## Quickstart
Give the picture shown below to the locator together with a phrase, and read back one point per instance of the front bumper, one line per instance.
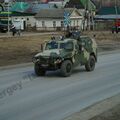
(48, 64)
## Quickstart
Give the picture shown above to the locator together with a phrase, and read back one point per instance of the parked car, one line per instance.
(116, 27)
(3, 27)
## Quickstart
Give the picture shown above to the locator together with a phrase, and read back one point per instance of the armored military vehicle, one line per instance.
(64, 55)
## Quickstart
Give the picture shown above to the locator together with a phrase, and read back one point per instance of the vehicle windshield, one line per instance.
(57, 45)
(51, 45)
(66, 46)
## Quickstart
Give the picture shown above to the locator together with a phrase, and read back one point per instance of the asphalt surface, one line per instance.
(23, 96)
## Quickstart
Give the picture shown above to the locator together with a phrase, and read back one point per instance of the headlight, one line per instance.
(58, 61)
(34, 59)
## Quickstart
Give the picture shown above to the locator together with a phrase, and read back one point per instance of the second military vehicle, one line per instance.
(66, 54)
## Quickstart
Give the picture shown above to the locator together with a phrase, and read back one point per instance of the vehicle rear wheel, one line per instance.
(116, 31)
(112, 31)
(66, 68)
(38, 70)
(90, 65)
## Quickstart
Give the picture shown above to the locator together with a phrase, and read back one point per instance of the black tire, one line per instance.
(66, 68)
(90, 65)
(113, 31)
(38, 70)
(116, 31)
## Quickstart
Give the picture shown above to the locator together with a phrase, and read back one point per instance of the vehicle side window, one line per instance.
(62, 45)
(88, 40)
(51, 45)
(83, 43)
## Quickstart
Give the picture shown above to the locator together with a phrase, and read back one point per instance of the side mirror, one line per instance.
(81, 48)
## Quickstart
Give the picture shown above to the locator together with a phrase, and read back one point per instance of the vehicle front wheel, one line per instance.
(90, 65)
(38, 70)
(66, 68)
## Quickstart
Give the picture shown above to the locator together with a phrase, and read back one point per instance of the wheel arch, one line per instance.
(70, 59)
(93, 54)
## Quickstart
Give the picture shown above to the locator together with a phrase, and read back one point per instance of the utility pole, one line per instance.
(85, 16)
(8, 20)
(89, 14)
(101, 3)
(8, 15)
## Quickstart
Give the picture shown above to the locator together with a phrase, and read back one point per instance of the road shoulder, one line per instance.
(94, 112)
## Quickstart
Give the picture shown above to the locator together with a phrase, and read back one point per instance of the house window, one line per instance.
(62, 24)
(43, 23)
(77, 23)
(54, 23)
(74, 23)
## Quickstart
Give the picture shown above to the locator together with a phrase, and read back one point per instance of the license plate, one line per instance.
(43, 65)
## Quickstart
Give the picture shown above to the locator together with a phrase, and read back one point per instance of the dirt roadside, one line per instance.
(112, 114)
(16, 50)
(108, 109)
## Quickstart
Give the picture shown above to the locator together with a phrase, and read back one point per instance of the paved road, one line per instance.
(23, 96)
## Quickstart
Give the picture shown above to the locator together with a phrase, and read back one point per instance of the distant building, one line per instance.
(58, 3)
(53, 19)
(103, 3)
(106, 17)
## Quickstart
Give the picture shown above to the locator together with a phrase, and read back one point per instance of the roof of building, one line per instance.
(29, 7)
(108, 13)
(5, 14)
(106, 3)
(35, 8)
(53, 13)
(74, 4)
(109, 10)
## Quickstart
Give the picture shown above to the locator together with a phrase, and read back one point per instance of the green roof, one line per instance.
(109, 11)
(5, 14)
(20, 7)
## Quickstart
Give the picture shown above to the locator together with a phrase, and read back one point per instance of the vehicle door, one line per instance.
(83, 54)
(77, 55)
